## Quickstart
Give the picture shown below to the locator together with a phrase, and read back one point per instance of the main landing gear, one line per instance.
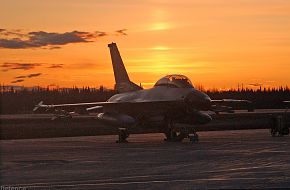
(177, 135)
(172, 134)
(123, 135)
(193, 137)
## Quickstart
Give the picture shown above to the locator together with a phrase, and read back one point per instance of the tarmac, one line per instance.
(240, 159)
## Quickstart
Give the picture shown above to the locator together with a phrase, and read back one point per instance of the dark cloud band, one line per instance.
(18, 40)
(27, 66)
(55, 66)
(22, 77)
(121, 32)
(19, 66)
(33, 75)
(17, 81)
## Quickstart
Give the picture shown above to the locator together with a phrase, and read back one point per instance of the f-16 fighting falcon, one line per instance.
(172, 100)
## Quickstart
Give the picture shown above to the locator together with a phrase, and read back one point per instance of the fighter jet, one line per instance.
(172, 100)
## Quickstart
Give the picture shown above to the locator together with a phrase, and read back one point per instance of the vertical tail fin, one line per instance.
(123, 83)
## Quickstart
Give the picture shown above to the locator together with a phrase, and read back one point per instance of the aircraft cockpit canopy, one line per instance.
(174, 81)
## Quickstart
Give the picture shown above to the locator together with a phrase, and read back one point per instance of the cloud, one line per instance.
(52, 85)
(9, 34)
(20, 66)
(100, 34)
(17, 81)
(14, 43)
(20, 77)
(17, 40)
(28, 76)
(55, 66)
(34, 75)
(121, 32)
(27, 66)
(256, 84)
(45, 38)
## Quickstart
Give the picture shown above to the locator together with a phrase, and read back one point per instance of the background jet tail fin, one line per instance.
(123, 83)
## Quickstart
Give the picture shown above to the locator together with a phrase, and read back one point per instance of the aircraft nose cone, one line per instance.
(198, 100)
(207, 103)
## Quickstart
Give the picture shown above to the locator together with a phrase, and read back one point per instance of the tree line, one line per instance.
(16, 101)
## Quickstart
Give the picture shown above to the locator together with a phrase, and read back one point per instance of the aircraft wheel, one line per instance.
(285, 131)
(194, 138)
(280, 134)
(170, 135)
(173, 136)
(274, 132)
(123, 135)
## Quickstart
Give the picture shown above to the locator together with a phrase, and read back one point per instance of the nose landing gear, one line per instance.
(123, 135)
(178, 134)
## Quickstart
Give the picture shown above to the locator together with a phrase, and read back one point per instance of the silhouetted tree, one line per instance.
(22, 100)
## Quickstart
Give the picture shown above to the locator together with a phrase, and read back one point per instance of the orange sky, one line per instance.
(217, 43)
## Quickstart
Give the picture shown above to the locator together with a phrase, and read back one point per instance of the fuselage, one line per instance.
(176, 98)
(160, 93)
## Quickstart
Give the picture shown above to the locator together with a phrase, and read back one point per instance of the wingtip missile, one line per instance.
(37, 106)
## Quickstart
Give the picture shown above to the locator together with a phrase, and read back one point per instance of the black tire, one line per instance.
(194, 139)
(285, 131)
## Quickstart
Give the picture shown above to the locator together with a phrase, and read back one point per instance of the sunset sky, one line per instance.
(216, 43)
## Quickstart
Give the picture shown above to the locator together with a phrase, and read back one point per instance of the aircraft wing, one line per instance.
(51, 106)
(93, 106)
(230, 101)
(97, 105)
(222, 105)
